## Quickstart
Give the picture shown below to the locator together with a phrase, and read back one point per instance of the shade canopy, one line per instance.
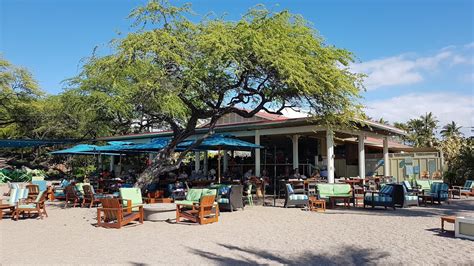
(24, 143)
(221, 142)
(81, 149)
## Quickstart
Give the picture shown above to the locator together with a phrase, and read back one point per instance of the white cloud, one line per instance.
(445, 106)
(408, 69)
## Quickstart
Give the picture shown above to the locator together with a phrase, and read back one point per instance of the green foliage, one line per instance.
(15, 176)
(459, 157)
(421, 131)
(451, 130)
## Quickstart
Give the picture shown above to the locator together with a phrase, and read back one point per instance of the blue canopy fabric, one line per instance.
(221, 142)
(24, 143)
(81, 149)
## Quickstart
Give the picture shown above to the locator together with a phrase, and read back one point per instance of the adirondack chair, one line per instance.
(28, 206)
(467, 189)
(90, 197)
(72, 196)
(16, 194)
(204, 212)
(114, 215)
(33, 191)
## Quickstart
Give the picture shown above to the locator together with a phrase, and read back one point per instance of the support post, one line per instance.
(205, 164)
(257, 153)
(225, 162)
(330, 154)
(197, 161)
(112, 162)
(386, 160)
(295, 151)
(362, 156)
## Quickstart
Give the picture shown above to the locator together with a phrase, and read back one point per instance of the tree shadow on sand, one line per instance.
(348, 255)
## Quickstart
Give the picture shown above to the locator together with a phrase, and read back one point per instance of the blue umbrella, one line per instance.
(81, 149)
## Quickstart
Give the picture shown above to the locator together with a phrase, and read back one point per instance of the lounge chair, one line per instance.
(247, 195)
(16, 194)
(390, 195)
(194, 195)
(131, 197)
(90, 197)
(72, 196)
(113, 215)
(293, 199)
(28, 206)
(203, 212)
(60, 191)
(439, 192)
(409, 188)
(230, 197)
(467, 189)
(33, 191)
(410, 197)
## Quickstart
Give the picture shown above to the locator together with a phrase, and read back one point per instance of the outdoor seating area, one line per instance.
(165, 132)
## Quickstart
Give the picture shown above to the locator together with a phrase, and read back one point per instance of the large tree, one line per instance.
(421, 131)
(19, 96)
(172, 72)
(451, 130)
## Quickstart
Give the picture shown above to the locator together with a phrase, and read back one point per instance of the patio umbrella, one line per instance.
(221, 142)
(81, 149)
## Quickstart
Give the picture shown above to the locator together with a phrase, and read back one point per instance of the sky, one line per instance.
(418, 55)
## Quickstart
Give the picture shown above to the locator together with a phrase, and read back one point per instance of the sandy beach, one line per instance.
(263, 235)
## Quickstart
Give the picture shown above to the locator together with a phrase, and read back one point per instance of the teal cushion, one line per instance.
(290, 189)
(223, 201)
(27, 206)
(41, 184)
(298, 197)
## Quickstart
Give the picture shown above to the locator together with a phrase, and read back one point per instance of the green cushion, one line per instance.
(79, 187)
(206, 192)
(134, 194)
(185, 202)
(342, 189)
(194, 194)
(425, 184)
(325, 189)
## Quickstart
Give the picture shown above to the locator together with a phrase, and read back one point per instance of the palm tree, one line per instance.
(451, 130)
(383, 121)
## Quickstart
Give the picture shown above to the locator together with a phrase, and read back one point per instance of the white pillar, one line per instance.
(205, 163)
(330, 154)
(257, 153)
(225, 162)
(197, 161)
(386, 160)
(361, 156)
(111, 166)
(295, 151)
(100, 162)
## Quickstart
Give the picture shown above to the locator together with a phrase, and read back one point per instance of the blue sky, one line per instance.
(419, 55)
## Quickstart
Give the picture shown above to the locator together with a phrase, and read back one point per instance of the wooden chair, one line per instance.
(204, 212)
(33, 191)
(28, 206)
(115, 215)
(89, 196)
(72, 196)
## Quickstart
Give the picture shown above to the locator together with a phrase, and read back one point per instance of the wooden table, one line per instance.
(424, 198)
(448, 219)
(317, 204)
(345, 199)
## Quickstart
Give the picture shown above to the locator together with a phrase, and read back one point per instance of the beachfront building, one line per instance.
(299, 143)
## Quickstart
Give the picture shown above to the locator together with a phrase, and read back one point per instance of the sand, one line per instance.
(263, 235)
